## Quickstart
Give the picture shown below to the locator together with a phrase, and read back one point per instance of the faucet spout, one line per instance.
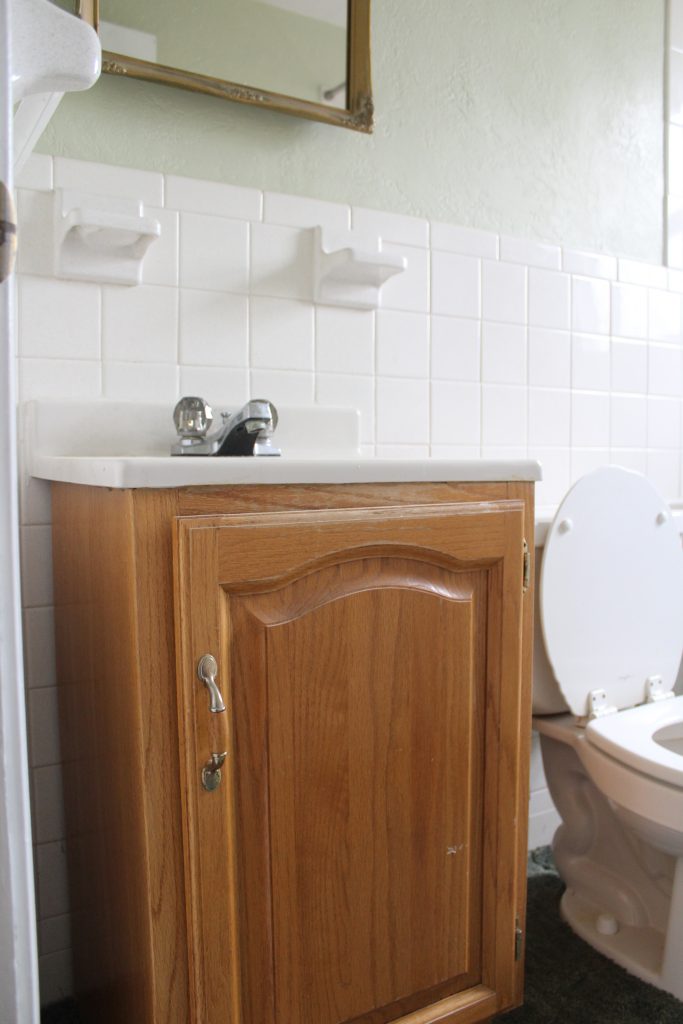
(248, 431)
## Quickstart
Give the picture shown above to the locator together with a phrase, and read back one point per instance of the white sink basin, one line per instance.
(116, 444)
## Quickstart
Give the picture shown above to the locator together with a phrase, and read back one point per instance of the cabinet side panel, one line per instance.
(102, 747)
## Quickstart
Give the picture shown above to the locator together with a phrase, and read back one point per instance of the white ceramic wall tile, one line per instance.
(629, 458)
(590, 305)
(161, 262)
(663, 422)
(629, 311)
(36, 173)
(664, 370)
(628, 415)
(283, 387)
(504, 292)
(402, 451)
(43, 727)
(549, 299)
(59, 319)
(455, 451)
(349, 391)
(665, 316)
(674, 92)
(281, 261)
(456, 413)
(504, 415)
(590, 362)
(301, 212)
(35, 500)
(465, 241)
(48, 804)
(585, 460)
(105, 180)
(455, 348)
(589, 264)
(39, 647)
(140, 324)
(214, 329)
(534, 254)
(549, 417)
(408, 290)
(221, 386)
(54, 934)
(556, 463)
(503, 354)
(663, 469)
(59, 379)
(55, 977)
(281, 334)
(402, 344)
(51, 878)
(344, 340)
(402, 411)
(391, 227)
(36, 566)
(214, 253)
(140, 382)
(549, 358)
(456, 285)
(35, 253)
(590, 419)
(629, 366)
(651, 275)
(214, 198)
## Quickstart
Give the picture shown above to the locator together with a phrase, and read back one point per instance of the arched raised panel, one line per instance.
(368, 816)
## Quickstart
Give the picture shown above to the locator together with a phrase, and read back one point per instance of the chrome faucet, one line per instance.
(246, 432)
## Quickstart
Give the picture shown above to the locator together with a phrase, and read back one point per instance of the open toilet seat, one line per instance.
(611, 601)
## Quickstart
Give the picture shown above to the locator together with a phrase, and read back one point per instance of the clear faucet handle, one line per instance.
(192, 416)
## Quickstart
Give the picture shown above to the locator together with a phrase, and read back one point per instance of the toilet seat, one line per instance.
(629, 737)
(611, 592)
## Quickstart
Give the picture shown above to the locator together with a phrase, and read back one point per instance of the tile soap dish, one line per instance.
(350, 268)
(99, 238)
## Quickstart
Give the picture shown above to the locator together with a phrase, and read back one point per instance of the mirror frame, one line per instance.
(358, 115)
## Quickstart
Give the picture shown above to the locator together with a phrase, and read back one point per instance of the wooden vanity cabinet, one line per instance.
(362, 858)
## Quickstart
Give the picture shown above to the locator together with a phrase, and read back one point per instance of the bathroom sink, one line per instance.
(121, 445)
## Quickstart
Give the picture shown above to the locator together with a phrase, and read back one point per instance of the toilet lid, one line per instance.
(611, 590)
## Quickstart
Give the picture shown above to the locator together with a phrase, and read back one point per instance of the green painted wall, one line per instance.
(539, 118)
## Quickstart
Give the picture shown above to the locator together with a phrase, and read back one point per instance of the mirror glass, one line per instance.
(307, 57)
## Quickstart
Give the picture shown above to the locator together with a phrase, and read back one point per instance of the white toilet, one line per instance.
(610, 600)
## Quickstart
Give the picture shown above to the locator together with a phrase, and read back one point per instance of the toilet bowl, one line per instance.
(610, 601)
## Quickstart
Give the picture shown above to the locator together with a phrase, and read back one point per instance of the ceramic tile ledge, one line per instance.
(122, 445)
(42, 172)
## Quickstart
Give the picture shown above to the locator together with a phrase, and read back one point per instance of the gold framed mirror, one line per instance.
(308, 58)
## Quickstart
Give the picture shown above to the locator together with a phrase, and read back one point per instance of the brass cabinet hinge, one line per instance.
(519, 938)
(526, 572)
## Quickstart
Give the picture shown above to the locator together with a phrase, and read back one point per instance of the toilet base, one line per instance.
(639, 950)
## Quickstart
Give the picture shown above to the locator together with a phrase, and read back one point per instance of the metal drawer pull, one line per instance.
(207, 670)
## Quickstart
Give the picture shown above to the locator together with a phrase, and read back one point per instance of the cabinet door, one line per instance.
(357, 861)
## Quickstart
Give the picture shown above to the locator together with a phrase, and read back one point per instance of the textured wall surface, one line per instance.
(540, 118)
